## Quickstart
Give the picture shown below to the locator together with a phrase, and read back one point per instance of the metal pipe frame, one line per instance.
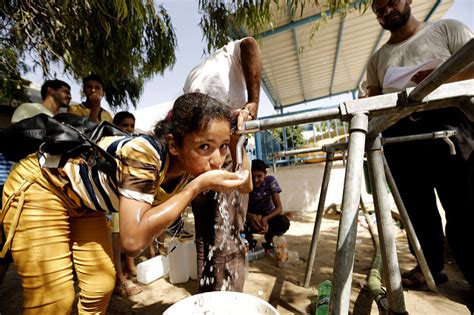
(409, 228)
(391, 274)
(344, 261)
(387, 235)
(343, 146)
(421, 136)
(319, 218)
(298, 151)
(301, 118)
(392, 106)
(448, 95)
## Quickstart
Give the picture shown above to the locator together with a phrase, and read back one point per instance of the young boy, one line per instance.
(264, 215)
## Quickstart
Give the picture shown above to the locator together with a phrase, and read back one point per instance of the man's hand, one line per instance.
(420, 75)
(249, 112)
(255, 222)
(252, 107)
(264, 225)
(94, 100)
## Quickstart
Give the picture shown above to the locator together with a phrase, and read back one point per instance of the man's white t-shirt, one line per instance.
(434, 43)
(220, 75)
(27, 110)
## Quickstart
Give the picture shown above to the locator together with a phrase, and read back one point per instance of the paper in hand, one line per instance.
(400, 77)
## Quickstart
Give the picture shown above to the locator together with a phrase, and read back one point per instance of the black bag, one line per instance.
(66, 134)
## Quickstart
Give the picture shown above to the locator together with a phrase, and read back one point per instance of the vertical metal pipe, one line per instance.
(238, 151)
(319, 217)
(409, 228)
(344, 261)
(388, 248)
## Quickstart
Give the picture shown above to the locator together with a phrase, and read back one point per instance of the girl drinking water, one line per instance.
(54, 218)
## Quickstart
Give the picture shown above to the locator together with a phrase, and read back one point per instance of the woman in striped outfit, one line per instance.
(54, 218)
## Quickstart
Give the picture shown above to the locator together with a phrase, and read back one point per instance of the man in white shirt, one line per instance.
(232, 75)
(421, 167)
(54, 93)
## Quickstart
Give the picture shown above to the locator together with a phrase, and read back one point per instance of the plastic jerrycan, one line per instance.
(178, 261)
(152, 269)
(192, 259)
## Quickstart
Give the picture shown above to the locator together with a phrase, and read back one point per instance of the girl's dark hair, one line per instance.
(190, 113)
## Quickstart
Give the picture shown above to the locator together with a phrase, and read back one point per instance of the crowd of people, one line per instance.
(54, 218)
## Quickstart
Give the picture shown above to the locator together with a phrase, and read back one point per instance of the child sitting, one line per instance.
(264, 215)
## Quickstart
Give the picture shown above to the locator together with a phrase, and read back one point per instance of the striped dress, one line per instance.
(141, 168)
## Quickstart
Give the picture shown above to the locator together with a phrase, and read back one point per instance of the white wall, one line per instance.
(301, 185)
(146, 118)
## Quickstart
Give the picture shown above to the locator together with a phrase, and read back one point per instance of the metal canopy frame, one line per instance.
(387, 109)
(298, 86)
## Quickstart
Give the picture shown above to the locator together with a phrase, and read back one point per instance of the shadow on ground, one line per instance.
(281, 287)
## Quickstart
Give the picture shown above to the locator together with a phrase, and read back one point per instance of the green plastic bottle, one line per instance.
(324, 292)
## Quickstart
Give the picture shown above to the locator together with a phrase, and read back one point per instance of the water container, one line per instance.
(152, 269)
(192, 259)
(281, 250)
(324, 292)
(178, 260)
(255, 254)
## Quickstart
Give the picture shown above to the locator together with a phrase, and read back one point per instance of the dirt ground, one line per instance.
(281, 287)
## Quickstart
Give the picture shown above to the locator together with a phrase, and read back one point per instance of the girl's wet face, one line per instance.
(206, 149)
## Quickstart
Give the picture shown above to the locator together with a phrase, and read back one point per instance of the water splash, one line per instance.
(233, 199)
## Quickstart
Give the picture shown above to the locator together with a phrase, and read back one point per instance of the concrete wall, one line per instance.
(301, 185)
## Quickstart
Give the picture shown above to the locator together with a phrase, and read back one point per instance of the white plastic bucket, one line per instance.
(219, 302)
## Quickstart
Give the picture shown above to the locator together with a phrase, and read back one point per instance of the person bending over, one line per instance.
(55, 217)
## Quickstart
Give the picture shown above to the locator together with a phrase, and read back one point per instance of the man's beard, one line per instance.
(395, 24)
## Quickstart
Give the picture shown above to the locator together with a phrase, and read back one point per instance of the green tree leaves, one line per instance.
(125, 42)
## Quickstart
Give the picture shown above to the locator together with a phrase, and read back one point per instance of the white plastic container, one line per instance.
(178, 260)
(281, 250)
(192, 259)
(219, 302)
(152, 269)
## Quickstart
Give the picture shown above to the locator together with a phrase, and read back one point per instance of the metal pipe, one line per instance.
(409, 227)
(422, 136)
(238, 152)
(374, 282)
(392, 277)
(425, 136)
(319, 218)
(456, 63)
(344, 260)
(298, 151)
(302, 118)
(452, 148)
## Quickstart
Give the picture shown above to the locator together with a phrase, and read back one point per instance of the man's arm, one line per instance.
(94, 105)
(374, 90)
(278, 207)
(252, 68)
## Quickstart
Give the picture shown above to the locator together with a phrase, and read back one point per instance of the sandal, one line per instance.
(128, 288)
(414, 279)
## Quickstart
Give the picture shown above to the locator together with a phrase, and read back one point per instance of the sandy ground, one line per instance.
(281, 287)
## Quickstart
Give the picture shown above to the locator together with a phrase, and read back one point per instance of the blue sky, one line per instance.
(185, 20)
